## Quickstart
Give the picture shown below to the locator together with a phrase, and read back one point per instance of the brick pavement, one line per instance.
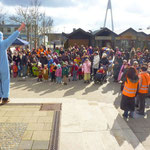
(24, 127)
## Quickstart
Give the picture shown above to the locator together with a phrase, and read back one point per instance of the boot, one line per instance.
(5, 100)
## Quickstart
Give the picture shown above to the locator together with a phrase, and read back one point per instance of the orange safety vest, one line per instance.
(130, 88)
(145, 83)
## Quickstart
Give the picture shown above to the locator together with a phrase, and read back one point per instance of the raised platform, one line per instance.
(29, 126)
(86, 125)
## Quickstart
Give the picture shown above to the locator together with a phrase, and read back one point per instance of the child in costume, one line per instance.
(86, 68)
(52, 71)
(15, 69)
(19, 69)
(74, 71)
(34, 69)
(65, 73)
(45, 73)
(40, 72)
(58, 74)
(100, 75)
(101, 70)
(80, 73)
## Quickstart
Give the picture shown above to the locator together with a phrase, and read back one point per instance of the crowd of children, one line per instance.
(77, 62)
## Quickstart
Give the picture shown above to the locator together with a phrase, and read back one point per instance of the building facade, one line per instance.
(78, 37)
(8, 29)
(107, 38)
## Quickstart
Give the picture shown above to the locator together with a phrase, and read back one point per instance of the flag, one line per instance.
(109, 4)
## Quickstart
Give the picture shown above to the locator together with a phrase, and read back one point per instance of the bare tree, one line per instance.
(23, 15)
(32, 16)
(45, 25)
(2, 15)
(36, 18)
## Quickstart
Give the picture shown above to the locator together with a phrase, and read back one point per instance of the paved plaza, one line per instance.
(90, 118)
(24, 127)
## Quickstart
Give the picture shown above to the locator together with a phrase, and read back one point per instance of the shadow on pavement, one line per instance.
(111, 86)
(92, 88)
(140, 125)
(124, 136)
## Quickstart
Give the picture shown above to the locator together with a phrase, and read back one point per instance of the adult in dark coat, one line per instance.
(43, 60)
(128, 102)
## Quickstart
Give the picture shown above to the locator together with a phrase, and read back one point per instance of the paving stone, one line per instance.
(30, 119)
(47, 127)
(45, 119)
(2, 113)
(40, 113)
(25, 145)
(25, 113)
(50, 113)
(71, 141)
(41, 135)
(35, 126)
(12, 114)
(40, 145)
(15, 119)
(3, 119)
(27, 135)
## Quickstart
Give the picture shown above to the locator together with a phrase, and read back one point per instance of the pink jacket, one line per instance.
(58, 72)
(86, 67)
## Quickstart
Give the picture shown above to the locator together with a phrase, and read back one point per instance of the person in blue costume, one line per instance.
(4, 64)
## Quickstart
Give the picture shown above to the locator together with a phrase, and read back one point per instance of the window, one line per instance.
(1, 29)
(8, 29)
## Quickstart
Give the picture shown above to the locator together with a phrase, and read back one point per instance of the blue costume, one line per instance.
(4, 64)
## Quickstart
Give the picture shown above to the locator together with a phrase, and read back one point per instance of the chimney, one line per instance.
(3, 22)
(74, 29)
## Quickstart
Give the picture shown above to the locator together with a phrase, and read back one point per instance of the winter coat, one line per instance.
(96, 61)
(86, 67)
(58, 72)
(24, 60)
(74, 68)
(65, 71)
(43, 61)
(104, 61)
(50, 62)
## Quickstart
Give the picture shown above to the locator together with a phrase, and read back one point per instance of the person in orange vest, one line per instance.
(129, 93)
(144, 81)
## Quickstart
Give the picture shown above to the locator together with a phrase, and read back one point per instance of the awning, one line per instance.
(19, 41)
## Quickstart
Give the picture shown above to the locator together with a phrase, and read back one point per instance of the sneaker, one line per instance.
(125, 116)
(131, 115)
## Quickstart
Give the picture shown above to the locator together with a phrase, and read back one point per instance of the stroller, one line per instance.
(101, 77)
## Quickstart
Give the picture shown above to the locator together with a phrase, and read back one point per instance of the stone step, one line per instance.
(120, 130)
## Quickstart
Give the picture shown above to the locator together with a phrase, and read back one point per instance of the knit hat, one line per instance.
(59, 66)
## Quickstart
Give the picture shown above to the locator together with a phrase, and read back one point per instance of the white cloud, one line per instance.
(89, 14)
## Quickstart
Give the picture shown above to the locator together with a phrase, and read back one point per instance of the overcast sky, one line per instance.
(89, 14)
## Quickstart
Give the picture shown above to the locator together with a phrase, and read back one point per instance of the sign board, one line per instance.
(127, 37)
(103, 38)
